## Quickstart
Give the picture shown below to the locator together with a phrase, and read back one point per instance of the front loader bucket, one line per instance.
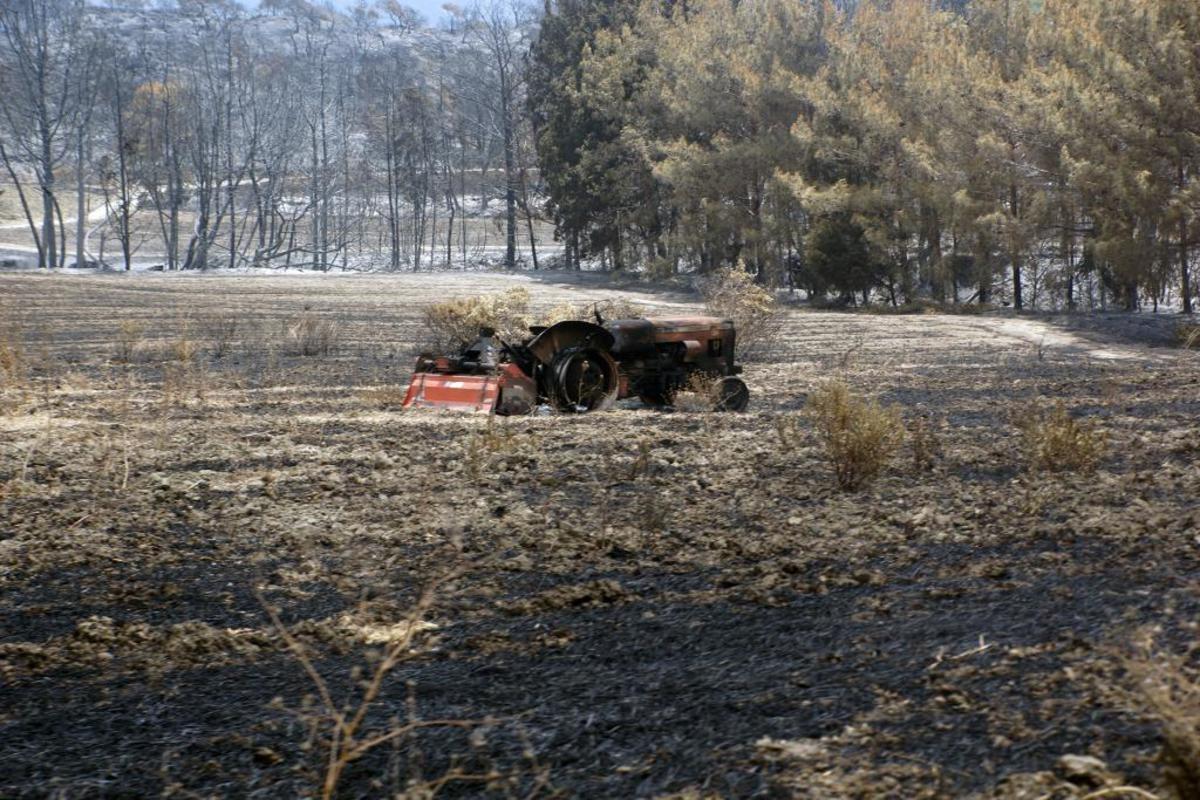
(456, 392)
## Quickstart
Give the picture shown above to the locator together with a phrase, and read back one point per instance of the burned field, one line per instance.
(628, 603)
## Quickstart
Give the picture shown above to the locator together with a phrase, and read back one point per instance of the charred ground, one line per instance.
(657, 603)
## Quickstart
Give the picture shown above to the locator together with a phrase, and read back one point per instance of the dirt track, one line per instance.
(659, 602)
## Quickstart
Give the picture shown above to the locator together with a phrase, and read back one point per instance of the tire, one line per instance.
(732, 394)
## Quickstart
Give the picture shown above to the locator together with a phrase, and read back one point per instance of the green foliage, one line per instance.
(839, 257)
(905, 151)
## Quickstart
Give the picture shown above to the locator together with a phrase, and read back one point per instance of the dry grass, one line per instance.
(15, 388)
(12, 359)
(613, 308)
(734, 294)
(221, 330)
(129, 337)
(701, 393)
(451, 324)
(1187, 335)
(345, 730)
(385, 397)
(495, 439)
(924, 443)
(860, 436)
(1053, 441)
(310, 335)
(1166, 687)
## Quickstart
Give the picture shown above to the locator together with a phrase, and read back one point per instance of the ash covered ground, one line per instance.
(653, 603)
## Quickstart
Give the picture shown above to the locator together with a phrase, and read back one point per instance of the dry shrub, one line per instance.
(924, 443)
(13, 372)
(129, 337)
(221, 330)
(310, 335)
(184, 381)
(1187, 335)
(860, 436)
(492, 440)
(701, 393)
(1166, 686)
(183, 349)
(346, 728)
(1055, 442)
(390, 396)
(614, 308)
(790, 430)
(734, 294)
(12, 359)
(455, 322)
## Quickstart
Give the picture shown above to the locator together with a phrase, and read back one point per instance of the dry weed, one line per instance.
(453, 323)
(790, 430)
(129, 337)
(1166, 686)
(615, 308)
(221, 330)
(384, 397)
(184, 378)
(345, 729)
(495, 438)
(14, 371)
(310, 335)
(700, 393)
(924, 442)
(641, 463)
(1053, 441)
(860, 436)
(12, 359)
(734, 294)
(1187, 335)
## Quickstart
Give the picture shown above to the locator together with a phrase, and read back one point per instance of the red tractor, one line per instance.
(584, 366)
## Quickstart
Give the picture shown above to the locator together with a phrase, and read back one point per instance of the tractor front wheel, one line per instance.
(731, 394)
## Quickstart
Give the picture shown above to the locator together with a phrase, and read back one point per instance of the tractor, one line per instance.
(580, 366)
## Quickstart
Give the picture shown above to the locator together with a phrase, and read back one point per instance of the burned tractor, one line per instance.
(583, 366)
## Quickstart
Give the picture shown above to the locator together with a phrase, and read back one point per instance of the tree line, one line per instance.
(1032, 152)
(293, 135)
(1035, 152)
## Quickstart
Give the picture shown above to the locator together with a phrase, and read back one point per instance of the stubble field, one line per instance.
(630, 603)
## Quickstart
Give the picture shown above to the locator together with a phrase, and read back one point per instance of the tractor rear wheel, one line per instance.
(583, 379)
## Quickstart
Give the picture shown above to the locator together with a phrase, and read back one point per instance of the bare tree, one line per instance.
(42, 95)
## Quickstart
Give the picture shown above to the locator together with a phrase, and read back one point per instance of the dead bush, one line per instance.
(1166, 687)
(129, 337)
(221, 330)
(924, 442)
(790, 430)
(860, 436)
(384, 397)
(734, 294)
(614, 308)
(346, 728)
(1187, 335)
(14, 372)
(310, 335)
(701, 393)
(12, 359)
(1053, 441)
(454, 322)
